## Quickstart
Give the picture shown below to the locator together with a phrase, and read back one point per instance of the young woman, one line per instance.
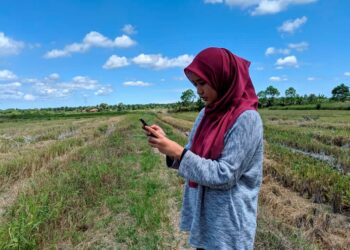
(222, 161)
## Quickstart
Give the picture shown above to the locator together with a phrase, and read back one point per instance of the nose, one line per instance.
(199, 90)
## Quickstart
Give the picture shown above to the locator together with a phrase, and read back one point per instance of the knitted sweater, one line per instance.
(221, 212)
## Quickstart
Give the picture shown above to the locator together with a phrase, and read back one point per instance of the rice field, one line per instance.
(94, 183)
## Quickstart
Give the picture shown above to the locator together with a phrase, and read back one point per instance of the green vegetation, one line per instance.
(95, 183)
(114, 181)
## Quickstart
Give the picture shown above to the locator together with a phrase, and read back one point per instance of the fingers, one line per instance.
(155, 127)
(153, 142)
(153, 131)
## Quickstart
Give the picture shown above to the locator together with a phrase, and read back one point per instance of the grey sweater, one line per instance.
(221, 212)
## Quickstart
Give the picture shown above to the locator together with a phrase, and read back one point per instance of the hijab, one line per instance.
(228, 75)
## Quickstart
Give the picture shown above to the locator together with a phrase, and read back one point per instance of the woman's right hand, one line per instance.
(156, 128)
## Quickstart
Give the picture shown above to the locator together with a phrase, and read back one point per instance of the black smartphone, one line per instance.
(145, 124)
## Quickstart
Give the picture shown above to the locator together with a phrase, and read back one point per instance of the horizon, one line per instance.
(68, 53)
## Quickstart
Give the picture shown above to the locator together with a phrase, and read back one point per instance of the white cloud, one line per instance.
(278, 78)
(299, 46)
(10, 94)
(96, 39)
(53, 77)
(11, 91)
(290, 26)
(29, 97)
(92, 39)
(51, 87)
(8, 46)
(292, 46)
(116, 62)
(311, 78)
(213, 1)
(137, 83)
(105, 90)
(83, 82)
(157, 61)
(287, 61)
(260, 68)
(124, 42)
(273, 50)
(13, 85)
(129, 29)
(261, 7)
(6, 75)
(347, 74)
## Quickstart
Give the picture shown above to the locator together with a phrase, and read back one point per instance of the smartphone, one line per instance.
(145, 124)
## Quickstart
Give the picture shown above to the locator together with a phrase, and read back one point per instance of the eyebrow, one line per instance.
(200, 81)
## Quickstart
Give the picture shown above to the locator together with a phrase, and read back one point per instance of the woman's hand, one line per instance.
(156, 128)
(162, 143)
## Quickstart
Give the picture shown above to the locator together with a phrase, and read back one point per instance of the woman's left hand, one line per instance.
(163, 144)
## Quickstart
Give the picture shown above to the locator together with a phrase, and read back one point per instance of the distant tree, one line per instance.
(291, 92)
(291, 95)
(120, 106)
(312, 98)
(271, 93)
(103, 106)
(261, 94)
(340, 92)
(200, 104)
(187, 97)
(262, 98)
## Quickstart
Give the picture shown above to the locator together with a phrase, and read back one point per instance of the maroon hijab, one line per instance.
(228, 74)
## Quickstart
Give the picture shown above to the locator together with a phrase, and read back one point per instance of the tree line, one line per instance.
(271, 97)
(189, 101)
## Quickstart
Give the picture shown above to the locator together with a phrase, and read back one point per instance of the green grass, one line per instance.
(120, 173)
(110, 190)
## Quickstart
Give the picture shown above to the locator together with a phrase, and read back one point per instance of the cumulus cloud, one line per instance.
(129, 29)
(105, 90)
(261, 7)
(116, 62)
(311, 78)
(11, 91)
(299, 46)
(213, 1)
(137, 83)
(53, 77)
(278, 78)
(51, 87)
(273, 51)
(157, 61)
(347, 74)
(286, 51)
(92, 39)
(8, 46)
(287, 61)
(290, 26)
(29, 97)
(6, 75)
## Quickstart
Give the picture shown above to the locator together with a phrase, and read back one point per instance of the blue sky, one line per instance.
(73, 53)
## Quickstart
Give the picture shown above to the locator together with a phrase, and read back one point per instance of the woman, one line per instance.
(222, 161)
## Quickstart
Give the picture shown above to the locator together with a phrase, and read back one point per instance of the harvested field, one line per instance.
(95, 183)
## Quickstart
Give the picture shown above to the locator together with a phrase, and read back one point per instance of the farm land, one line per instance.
(93, 182)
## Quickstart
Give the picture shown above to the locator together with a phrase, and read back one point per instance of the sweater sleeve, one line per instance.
(172, 163)
(241, 143)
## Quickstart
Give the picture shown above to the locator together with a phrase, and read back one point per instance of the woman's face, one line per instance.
(204, 90)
